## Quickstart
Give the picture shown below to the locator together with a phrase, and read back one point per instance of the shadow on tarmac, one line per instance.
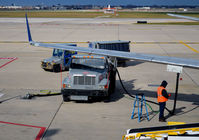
(129, 85)
(133, 63)
(144, 116)
(192, 98)
(50, 132)
(129, 63)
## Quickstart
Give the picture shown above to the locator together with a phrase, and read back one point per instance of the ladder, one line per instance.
(137, 99)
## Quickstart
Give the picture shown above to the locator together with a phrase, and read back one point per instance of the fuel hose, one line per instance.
(149, 101)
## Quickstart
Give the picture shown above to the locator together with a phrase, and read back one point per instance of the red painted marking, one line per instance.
(39, 135)
(12, 59)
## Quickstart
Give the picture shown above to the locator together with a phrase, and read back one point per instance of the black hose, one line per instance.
(30, 96)
(134, 96)
(9, 98)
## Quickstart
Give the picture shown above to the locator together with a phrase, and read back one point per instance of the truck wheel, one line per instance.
(66, 69)
(112, 82)
(108, 97)
(56, 68)
(65, 98)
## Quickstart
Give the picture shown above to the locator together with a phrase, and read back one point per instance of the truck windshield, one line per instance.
(57, 52)
(88, 63)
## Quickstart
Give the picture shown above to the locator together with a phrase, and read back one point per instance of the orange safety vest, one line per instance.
(161, 98)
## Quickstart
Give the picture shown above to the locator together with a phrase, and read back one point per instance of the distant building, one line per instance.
(143, 8)
(11, 7)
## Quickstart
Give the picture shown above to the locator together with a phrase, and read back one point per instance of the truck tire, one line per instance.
(56, 68)
(65, 98)
(66, 69)
(112, 82)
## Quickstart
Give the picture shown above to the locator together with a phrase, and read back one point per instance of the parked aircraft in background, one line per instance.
(109, 10)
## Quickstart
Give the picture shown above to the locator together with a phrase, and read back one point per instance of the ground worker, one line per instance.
(162, 98)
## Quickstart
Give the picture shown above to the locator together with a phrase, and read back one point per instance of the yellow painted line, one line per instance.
(175, 123)
(189, 47)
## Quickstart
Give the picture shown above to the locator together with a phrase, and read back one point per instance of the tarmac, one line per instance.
(50, 118)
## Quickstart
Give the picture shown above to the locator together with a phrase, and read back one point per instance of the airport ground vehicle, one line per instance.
(59, 60)
(117, 45)
(89, 76)
(61, 57)
(174, 131)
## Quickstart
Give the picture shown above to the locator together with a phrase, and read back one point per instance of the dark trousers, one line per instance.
(162, 106)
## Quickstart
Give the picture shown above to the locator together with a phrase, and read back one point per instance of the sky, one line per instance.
(100, 2)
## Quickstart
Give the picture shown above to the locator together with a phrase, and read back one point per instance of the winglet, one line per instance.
(28, 30)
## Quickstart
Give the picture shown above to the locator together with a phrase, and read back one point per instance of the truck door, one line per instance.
(67, 57)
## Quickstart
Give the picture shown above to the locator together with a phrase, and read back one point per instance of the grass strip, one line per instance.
(85, 14)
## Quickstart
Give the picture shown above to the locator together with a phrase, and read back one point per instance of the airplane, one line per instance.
(109, 9)
(192, 63)
(185, 17)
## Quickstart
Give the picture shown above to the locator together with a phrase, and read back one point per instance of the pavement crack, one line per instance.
(52, 120)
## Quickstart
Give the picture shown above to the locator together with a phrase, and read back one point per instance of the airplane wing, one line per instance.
(186, 17)
(128, 55)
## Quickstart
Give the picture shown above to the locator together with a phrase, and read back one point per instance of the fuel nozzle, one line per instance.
(28, 96)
